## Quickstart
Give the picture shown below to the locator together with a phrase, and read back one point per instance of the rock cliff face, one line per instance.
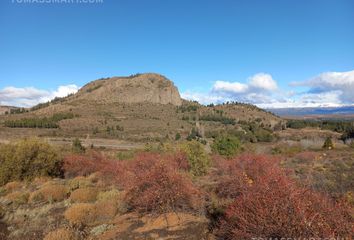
(150, 87)
(4, 109)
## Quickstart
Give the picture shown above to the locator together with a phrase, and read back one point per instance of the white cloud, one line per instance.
(326, 99)
(30, 96)
(203, 97)
(329, 89)
(341, 82)
(228, 87)
(256, 90)
(257, 83)
(263, 81)
(64, 91)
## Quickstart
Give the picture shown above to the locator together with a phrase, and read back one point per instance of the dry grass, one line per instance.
(109, 204)
(106, 210)
(49, 193)
(41, 180)
(79, 182)
(11, 186)
(18, 197)
(113, 194)
(84, 195)
(60, 234)
(81, 214)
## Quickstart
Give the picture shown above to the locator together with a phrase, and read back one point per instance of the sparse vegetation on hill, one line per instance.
(46, 104)
(218, 118)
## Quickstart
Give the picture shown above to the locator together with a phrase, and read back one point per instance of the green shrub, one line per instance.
(328, 144)
(198, 159)
(125, 155)
(27, 159)
(193, 135)
(226, 145)
(263, 135)
(77, 146)
(178, 136)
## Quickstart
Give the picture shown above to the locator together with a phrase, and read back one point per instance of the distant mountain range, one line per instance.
(316, 112)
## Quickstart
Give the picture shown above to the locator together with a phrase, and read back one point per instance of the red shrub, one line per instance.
(235, 175)
(84, 165)
(180, 161)
(273, 206)
(156, 185)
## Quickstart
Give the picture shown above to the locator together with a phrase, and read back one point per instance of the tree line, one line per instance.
(46, 122)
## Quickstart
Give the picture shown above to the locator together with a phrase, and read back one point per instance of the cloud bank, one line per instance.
(328, 89)
(30, 96)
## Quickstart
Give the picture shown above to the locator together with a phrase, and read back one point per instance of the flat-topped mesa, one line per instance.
(149, 87)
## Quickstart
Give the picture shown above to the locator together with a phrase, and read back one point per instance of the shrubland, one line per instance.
(27, 159)
(243, 195)
(266, 202)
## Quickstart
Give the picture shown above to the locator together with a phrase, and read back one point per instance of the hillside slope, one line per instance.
(141, 107)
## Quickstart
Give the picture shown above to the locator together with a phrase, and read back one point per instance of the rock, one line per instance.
(150, 87)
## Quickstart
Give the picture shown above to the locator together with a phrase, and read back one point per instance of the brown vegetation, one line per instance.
(60, 234)
(49, 193)
(84, 195)
(81, 214)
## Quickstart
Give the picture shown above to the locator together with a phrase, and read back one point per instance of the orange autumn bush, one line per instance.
(83, 195)
(49, 193)
(81, 214)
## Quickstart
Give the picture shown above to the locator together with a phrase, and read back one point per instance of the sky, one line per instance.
(274, 53)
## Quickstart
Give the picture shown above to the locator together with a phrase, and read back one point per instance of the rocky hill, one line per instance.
(139, 88)
(141, 107)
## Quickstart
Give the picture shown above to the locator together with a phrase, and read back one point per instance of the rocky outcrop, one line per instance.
(150, 87)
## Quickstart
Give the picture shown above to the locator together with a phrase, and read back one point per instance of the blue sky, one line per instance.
(271, 53)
